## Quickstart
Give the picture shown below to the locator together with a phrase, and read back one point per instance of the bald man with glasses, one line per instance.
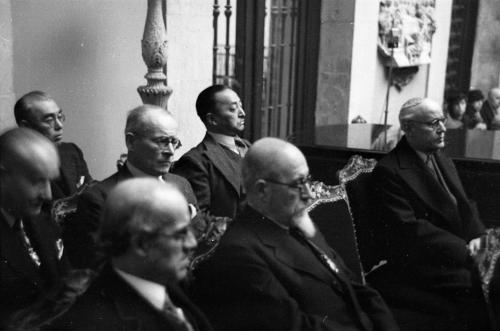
(273, 270)
(38, 111)
(426, 229)
(151, 139)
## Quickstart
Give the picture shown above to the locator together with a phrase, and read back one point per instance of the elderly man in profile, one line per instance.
(273, 270)
(31, 252)
(151, 139)
(38, 111)
(490, 110)
(146, 237)
(427, 228)
(214, 166)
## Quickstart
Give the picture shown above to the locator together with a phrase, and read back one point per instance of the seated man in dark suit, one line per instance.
(214, 166)
(31, 259)
(146, 237)
(37, 110)
(273, 269)
(151, 138)
(427, 229)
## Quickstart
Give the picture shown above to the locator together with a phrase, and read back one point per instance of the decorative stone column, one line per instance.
(154, 54)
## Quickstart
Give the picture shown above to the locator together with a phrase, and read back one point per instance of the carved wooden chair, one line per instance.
(331, 214)
(355, 177)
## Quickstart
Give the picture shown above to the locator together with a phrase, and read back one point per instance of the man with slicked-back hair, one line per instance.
(38, 111)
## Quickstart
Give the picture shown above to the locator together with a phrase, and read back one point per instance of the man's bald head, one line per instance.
(267, 158)
(145, 229)
(494, 97)
(275, 175)
(29, 162)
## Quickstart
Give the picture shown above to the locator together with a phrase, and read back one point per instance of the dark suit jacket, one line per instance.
(80, 230)
(111, 304)
(488, 114)
(214, 176)
(262, 278)
(73, 167)
(422, 233)
(21, 281)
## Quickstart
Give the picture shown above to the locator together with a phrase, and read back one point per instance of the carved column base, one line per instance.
(155, 95)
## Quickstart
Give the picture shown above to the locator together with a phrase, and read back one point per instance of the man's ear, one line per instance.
(262, 189)
(140, 245)
(211, 120)
(25, 124)
(129, 140)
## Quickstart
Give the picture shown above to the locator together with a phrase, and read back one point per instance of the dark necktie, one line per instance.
(20, 230)
(175, 315)
(320, 254)
(436, 172)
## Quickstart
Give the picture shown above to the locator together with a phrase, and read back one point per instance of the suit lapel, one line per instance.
(45, 245)
(14, 254)
(421, 180)
(288, 250)
(223, 163)
(68, 170)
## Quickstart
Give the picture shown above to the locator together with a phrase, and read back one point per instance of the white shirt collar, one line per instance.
(224, 140)
(154, 293)
(136, 172)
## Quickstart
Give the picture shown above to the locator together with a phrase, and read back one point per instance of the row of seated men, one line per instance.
(272, 270)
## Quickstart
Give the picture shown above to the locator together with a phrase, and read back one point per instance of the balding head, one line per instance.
(274, 172)
(29, 162)
(144, 228)
(422, 120)
(151, 137)
(494, 97)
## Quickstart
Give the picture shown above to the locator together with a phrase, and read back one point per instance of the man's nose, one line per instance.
(241, 112)
(169, 149)
(441, 127)
(45, 191)
(58, 124)
(306, 192)
(190, 242)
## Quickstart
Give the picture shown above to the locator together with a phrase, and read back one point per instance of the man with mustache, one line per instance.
(146, 238)
(151, 139)
(214, 166)
(426, 229)
(38, 111)
(31, 252)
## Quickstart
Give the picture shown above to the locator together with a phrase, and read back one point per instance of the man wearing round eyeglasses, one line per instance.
(151, 139)
(147, 241)
(273, 270)
(38, 111)
(426, 229)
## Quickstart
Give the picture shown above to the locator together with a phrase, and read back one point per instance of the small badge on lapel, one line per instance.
(59, 248)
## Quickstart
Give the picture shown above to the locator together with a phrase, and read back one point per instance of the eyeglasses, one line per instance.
(165, 142)
(299, 184)
(180, 235)
(434, 124)
(51, 119)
